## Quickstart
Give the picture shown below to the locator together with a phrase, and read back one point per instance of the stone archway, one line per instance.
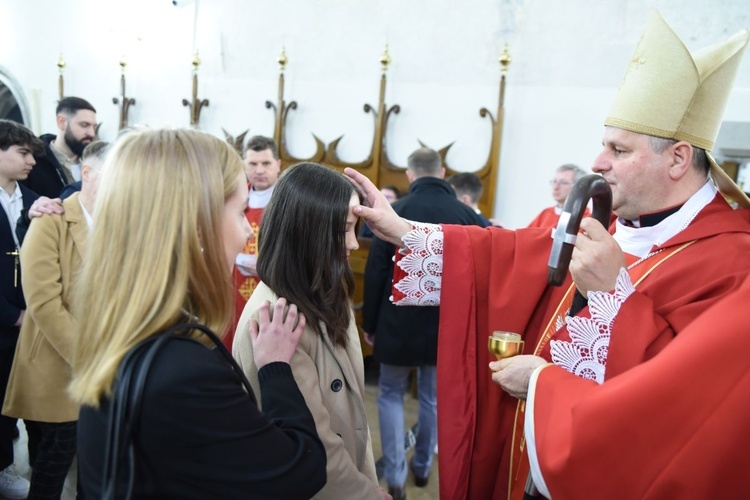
(12, 100)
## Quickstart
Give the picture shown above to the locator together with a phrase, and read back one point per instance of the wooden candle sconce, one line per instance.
(124, 101)
(377, 166)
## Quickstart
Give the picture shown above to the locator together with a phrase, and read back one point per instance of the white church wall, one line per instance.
(568, 59)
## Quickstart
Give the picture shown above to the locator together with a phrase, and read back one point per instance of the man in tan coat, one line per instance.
(37, 390)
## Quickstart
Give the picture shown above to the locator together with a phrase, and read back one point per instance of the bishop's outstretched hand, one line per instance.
(377, 210)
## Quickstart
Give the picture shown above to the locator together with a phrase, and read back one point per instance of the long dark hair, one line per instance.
(302, 248)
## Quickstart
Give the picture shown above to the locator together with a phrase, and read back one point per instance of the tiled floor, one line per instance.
(430, 492)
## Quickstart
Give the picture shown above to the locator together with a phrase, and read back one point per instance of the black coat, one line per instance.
(407, 335)
(11, 294)
(47, 178)
(200, 435)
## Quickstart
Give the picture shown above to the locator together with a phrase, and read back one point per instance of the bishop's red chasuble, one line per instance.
(674, 427)
(495, 279)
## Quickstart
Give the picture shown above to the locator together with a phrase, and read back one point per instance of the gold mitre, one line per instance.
(668, 92)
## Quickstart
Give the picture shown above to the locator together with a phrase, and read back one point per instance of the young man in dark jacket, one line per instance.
(17, 147)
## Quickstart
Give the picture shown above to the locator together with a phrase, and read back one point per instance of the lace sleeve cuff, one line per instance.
(418, 272)
(586, 354)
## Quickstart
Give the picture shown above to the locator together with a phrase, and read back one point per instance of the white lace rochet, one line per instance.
(423, 265)
(586, 354)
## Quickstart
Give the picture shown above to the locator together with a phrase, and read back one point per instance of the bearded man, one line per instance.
(60, 164)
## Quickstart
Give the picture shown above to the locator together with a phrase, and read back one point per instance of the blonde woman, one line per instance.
(165, 413)
(309, 233)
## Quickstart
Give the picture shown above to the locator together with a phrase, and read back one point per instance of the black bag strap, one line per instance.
(126, 401)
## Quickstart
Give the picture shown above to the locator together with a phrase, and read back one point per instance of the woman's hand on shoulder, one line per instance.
(275, 337)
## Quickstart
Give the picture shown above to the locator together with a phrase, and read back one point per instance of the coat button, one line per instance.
(336, 385)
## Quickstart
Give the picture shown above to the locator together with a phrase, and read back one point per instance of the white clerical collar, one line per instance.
(259, 199)
(639, 241)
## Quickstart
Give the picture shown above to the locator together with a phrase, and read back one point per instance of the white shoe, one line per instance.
(13, 486)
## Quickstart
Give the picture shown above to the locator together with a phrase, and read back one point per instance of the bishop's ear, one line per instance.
(682, 159)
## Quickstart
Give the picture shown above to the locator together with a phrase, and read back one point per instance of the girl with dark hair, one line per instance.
(309, 230)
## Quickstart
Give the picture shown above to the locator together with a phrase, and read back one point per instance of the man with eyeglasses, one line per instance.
(565, 176)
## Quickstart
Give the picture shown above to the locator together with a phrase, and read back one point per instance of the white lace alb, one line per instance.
(423, 265)
(586, 354)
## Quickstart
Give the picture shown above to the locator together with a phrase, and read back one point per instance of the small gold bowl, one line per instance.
(505, 344)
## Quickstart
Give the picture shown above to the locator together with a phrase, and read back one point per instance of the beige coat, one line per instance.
(331, 380)
(50, 259)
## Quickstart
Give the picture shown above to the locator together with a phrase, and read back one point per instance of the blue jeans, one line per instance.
(393, 384)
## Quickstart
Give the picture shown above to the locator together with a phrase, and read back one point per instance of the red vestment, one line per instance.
(244, 285)
(548, 218)
(495, 279)
(675, 427)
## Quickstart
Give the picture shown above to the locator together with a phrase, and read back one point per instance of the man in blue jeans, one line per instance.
(406, 337)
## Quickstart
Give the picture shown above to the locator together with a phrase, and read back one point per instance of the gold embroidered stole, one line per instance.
(245, 285)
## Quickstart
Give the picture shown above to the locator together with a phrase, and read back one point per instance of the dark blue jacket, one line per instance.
(71, 188)
(11, 294)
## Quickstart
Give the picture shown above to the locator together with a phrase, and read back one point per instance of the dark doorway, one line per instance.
(12, 103)
(9, 108)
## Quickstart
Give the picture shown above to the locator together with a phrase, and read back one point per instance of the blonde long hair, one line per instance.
(155, 252)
